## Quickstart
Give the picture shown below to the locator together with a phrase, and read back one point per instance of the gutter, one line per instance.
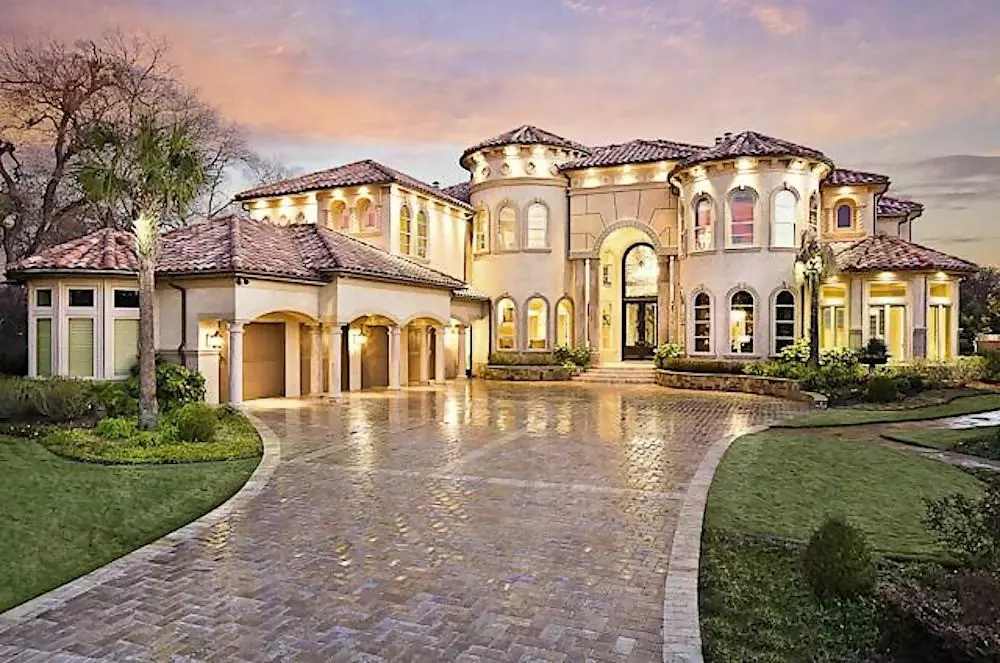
(181, 351)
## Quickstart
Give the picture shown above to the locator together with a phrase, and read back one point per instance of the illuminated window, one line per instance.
(641, 271)
(367, 216)
(564, 322)
(784, 320)
(506, 325)
(507, 229)
(481, 230)
(538, 322)
(742, 207)
(845, 216)
(538, 226)
(703, 222)
(703, 323)
(741, 323)
(833, 317)
(405, 230)
(421, 244)
(783, 230)
(339, 218)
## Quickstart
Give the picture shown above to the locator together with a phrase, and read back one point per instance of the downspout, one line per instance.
(181, 352)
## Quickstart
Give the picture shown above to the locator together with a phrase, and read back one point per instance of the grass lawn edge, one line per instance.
(938, 411)
(261, 475)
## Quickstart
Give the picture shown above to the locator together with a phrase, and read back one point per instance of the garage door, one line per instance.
(264, 360)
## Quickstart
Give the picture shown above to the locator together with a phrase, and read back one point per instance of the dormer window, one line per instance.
(845, 216)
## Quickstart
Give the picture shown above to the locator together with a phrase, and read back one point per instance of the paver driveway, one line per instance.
(475, 522)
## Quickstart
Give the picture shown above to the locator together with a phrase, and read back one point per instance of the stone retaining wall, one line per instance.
(747, 384)
(527, 373)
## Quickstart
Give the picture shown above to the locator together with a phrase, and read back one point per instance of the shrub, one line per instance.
(113, 399)
(882, 389)
(991, 365)
(176, 385)
(969, 527)
(797, 352)
(874, 354)
(580, 356)
(696, 365)
(522, 359)
(116, 428)
(61, 399)
(838, 562)
(665, 352)
(195, 422)
(776, 369)
(16, 399)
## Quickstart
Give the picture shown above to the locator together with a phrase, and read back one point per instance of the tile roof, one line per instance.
(526, 135)
(471, 292)
(885, 253)
(639, 150)
(751, 144)
(888, 206)
(239, 245)
(352, 174)
(845, 177)
(460, 191)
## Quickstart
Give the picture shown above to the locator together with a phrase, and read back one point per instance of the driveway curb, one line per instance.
(164, 545)
(681, 626)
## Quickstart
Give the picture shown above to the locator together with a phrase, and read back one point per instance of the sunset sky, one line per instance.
(909, 88)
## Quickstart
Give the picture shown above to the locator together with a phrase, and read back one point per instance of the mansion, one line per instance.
(362, 276)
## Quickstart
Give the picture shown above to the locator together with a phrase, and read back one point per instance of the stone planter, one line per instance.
(747, 384)
(528, 373)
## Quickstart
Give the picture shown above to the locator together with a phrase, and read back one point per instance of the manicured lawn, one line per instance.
(853, 416)
(61, 518)
(983, 441)
(784, 483)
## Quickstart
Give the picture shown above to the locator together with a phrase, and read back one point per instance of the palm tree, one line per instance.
(814, 264)
(144, 173)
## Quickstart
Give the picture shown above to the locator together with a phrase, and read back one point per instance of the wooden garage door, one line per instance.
(264, 360)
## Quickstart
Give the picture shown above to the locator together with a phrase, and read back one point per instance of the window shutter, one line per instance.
(81, 347)
(126, 345)
(43, 347)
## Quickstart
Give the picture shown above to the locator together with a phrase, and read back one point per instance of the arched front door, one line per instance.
(640, 275)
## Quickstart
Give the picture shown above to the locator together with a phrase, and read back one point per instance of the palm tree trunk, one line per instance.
(814, 325)
(147, 350)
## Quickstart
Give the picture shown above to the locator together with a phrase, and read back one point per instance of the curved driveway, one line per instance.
(473, 522)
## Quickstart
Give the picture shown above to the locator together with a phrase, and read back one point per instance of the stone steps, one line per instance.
(619, 374)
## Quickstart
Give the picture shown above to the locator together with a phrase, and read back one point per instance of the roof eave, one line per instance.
(20, 275)
(375, 276)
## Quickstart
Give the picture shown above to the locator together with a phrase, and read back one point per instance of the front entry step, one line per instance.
(619, 374)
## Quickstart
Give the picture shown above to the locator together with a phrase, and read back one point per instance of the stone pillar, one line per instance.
(663, 300)
(579, 302)
(462, 359)
(857, 312)
(315, 360)
(918, 314)
(394, 356)
(594, 307)
(425, 356)
(334, 370)
(236, 362)
(439, 352)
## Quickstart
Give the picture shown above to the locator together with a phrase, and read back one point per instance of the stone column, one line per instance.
(315, 360)
(663, 300)
(333, 368)
(425, 356)
(462, 359)
(439, 355)
(918, 314)
(394, 356)
(857, 311)
(236, 362)
(594, 308)
(579, 302)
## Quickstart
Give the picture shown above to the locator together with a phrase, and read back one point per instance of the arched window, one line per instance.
(783, 230)
(367, 217)
(339, 218)
(421, 243)
(845, 216)
(641, 271)
(703, 225)
(538, 324)
(702, 322)
(481, 230)
(405, 230)
(507, 229)
(538, 226)
(742, 209)
(784, 320)
(506, 325)
(741, 323)
(564, 322)
(814, 212)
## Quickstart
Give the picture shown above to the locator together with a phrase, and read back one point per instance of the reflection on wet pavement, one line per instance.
(473, 522)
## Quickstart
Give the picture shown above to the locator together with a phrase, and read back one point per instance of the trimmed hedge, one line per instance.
(710, 366)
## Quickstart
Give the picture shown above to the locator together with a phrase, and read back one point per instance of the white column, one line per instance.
(439, 355)
(236, 362)
(462, 365)
(315, 360)
(425, 356)
(333, 366)
(394, 356)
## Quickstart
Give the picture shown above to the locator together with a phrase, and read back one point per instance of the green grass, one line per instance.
(854, 416)
(755, 607)
(236, 439)
(784, 483)
(62, 519)
(983, 441)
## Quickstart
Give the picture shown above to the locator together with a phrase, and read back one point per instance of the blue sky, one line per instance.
(905, 87)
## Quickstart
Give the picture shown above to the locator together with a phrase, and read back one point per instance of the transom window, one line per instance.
(126, 299)
(741, 323)
(538, 324)
(507, 228)
(845, 216)
(742, 207)
(538, 226)
(79, 298)
(43, 298)
(641, 271)
(405, 230)
(703, 222)
(784, 320)
(702, 323)
(783, 230)
(421, 244)
(506, 325)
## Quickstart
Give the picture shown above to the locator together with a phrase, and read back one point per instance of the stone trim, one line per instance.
(747, 384)
(166, 544)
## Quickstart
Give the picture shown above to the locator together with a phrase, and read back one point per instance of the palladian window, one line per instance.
(538, 324)
(703, 323)
(506, 325)
(507, 229)
(421, 244)
(784, 320)
(564, 322)
(742, 209)
(481, 230)
(538, 226)
(405, 230)
(783, 228)
(703, 222)
(741, 323)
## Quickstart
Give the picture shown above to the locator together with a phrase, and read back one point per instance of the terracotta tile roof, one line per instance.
(239, 245)
(751, 144)
(639, 150)
(459, 191)
(353, 174)
(845, 177)
(526, 135)
(885, 253)
(896, 207)
(471, 292)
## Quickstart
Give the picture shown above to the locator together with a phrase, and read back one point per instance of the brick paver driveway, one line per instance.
(476, 522)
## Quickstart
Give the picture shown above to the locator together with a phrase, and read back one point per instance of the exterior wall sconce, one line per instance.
(214, 341)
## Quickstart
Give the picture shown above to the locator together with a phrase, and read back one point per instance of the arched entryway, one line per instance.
(639, 283)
